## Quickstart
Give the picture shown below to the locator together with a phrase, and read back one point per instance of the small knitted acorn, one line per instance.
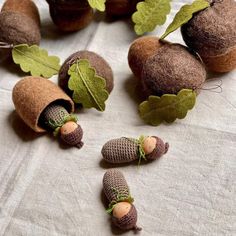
(70, 15)
(212, 34)
(119, 8)
(124, 213)
(56, 117)
(97, 62)
(124, 150)
(19, 23)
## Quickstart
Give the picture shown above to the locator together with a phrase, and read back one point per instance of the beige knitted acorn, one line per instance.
(124, 150)
(124, 213)
(20, 23)
(43, 106)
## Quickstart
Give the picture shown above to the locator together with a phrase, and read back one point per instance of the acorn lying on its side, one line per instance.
(124, 150)
(124, 213)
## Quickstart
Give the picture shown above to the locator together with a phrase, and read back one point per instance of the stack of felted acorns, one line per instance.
(164, 68)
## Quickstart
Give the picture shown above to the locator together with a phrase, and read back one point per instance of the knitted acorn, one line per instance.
(70, 15)
(119, 8)
(124, 213)
(124, 150)
(43, 106)
(100, 65)
(19, 23)
(212, 34)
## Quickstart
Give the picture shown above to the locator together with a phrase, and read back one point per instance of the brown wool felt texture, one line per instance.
(102, 68)
(172, 69)
(140, 50)
(25, 7)
(212, 33)
(118, 8)
(114, 182)
(68, 4)
(124, 150)
(16, 28)
(31, 95)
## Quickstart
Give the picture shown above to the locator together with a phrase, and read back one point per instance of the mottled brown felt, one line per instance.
(171, 69)
(161, 149)
(31, 95)
(101, 66)
(212, 32)
(140, 50)
(120, 150)
(74, 138)
(16, 28)
(70, 21)
(128, 221)
(118, 8)
(114, 183)
(68, 5)
(26, 7)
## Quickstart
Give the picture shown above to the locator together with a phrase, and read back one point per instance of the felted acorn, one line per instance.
(102, 68)
(20, 23)
(70, 15)
(117, 8)
(43, 106)
(124, 150)
(212, 34)
(124, 213)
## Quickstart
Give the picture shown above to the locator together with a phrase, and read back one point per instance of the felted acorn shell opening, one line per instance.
(32, 95)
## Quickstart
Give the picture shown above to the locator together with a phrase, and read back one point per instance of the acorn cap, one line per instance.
(114, 184)
(26, 7)
(140, 50)
(128, 221)
(16, 28)
(172, 69)
(31, 95)
(161, 148)
(120, 150)
(72, 20)
(102, 68)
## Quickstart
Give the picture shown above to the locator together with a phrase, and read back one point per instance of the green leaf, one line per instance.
(168, 107)
(35, 60)
(149, 14)
(88, 88)
(97, 4)
(185, 14)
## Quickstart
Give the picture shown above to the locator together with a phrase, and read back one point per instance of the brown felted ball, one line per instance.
(212, 33)
(69, 4)
(25, 7)
(118, 8)
(172, 69)
(101, 66)
(16, 28)
(31, 95)
(140, 50)
(71, 20)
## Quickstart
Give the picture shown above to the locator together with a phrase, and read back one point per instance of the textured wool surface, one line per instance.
(32, 95)
(74, 138)
(140, 50)
(68, 4)
(173, 68)
(121, 150)
(17, 28)
(26, 7)
(46, 190)
(102, 68)
(71, 20)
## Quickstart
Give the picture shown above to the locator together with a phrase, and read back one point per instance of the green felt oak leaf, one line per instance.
(35, 60)
(88, 88)
(185, 14)
(97, 4)
(149, 14)
(168, 107)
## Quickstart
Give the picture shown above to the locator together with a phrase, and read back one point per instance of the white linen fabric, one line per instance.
(48, 190)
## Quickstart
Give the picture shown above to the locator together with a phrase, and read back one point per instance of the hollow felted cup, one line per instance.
(32, 95)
